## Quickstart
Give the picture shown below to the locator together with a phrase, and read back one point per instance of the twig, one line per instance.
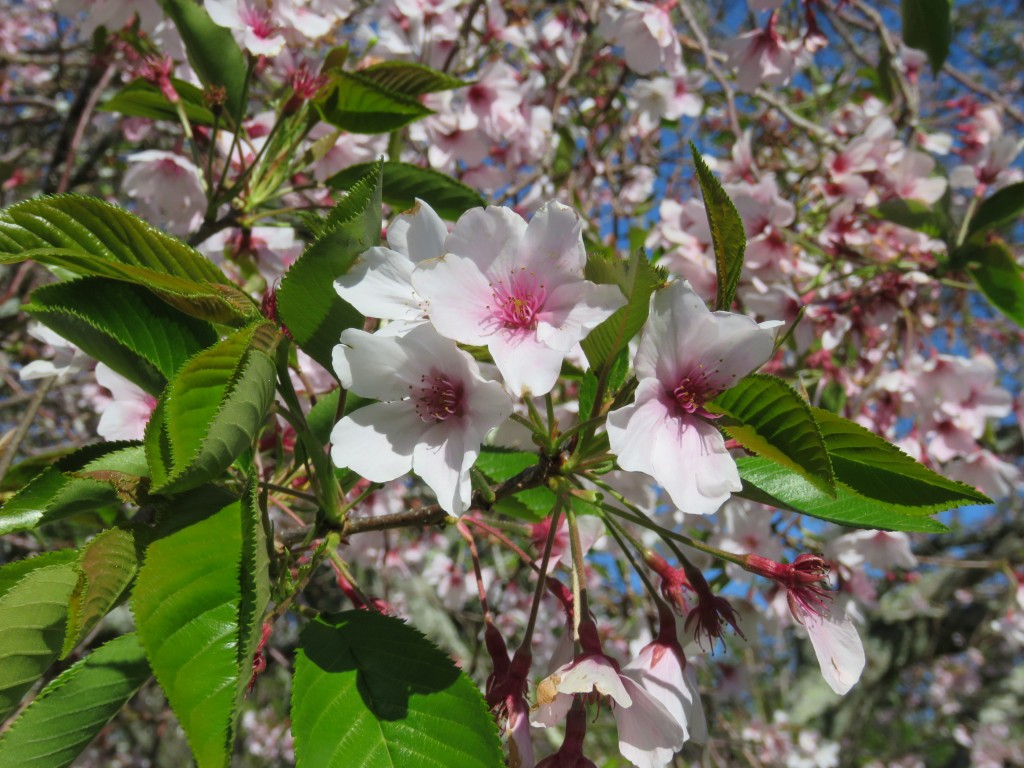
(712, 67)
(13, 439)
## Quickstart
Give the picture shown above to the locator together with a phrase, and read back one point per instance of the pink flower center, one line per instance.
(437, 397)
(259, 21)
(517, 302)
(692, 392)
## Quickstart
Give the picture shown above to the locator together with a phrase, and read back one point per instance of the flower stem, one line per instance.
(543, 575)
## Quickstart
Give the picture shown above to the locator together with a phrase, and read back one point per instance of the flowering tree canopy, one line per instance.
(479, 383)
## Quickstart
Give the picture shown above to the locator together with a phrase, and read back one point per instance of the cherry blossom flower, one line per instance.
(435, 411)
(516, 288)
(168, 188)
(687, 355)
(661, 669)
(649, 735)
(832, 633)
(252, 24)
(645, 32)
(880, 549)
(379, 283)
(125, 411)
(67, 361)
(761, 56)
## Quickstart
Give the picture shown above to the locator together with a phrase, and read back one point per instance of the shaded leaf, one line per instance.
(767, 416)
(307, 304)
(59, 724)
(728, 236)
(927, 27)
(769, 483)
(255, 581)
(1003, 207)
(33, 613)
(358, 104)
(212, 52)
(409, 79)
(212, 410)
(120, 324)
(403, 183)
(62, 490)
(106, 567)
(143, 99)
(371, 691)
(638, 279)
(916, 215)
(997, 274)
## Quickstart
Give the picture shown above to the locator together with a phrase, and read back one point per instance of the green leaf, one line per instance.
(68, 488)
(255, 582)
(927, 27)
(769, 483)
(55, 728)
(1003, 207)
(106, 567)
(91, 237)
(120, 324)
(212, 410)
(409, 79)
(371, 691)
(533, 504)
(638, 279)
(358, 104)
(322, 416)
(767, 416)
(500, 464)
(875, 468)
(143, 99)
(728, 236)
(403, 183)
(997, 274)
(916, 215)
(212, 52)
(186, 604)
(307, 304)
(33, 612)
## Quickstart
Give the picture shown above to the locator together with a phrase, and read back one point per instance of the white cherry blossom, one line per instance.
(434, 413)
(379, 283)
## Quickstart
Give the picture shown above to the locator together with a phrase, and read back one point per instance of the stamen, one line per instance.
(437, 398)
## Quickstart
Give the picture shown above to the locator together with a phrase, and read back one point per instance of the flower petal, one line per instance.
(379, 284)
(649, 735)
(458, 297)
(377, 441)
(837, 645)
(419, 233)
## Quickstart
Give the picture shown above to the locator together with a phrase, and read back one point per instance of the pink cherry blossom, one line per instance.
(761, 56)
(649, 735)
(168, 189)
(516, 288)
(880, 549)
(687, 356)
(661, 669)
(645, 32)
(126, 411)
(252, 23)
(837, 645)
(434, 413)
